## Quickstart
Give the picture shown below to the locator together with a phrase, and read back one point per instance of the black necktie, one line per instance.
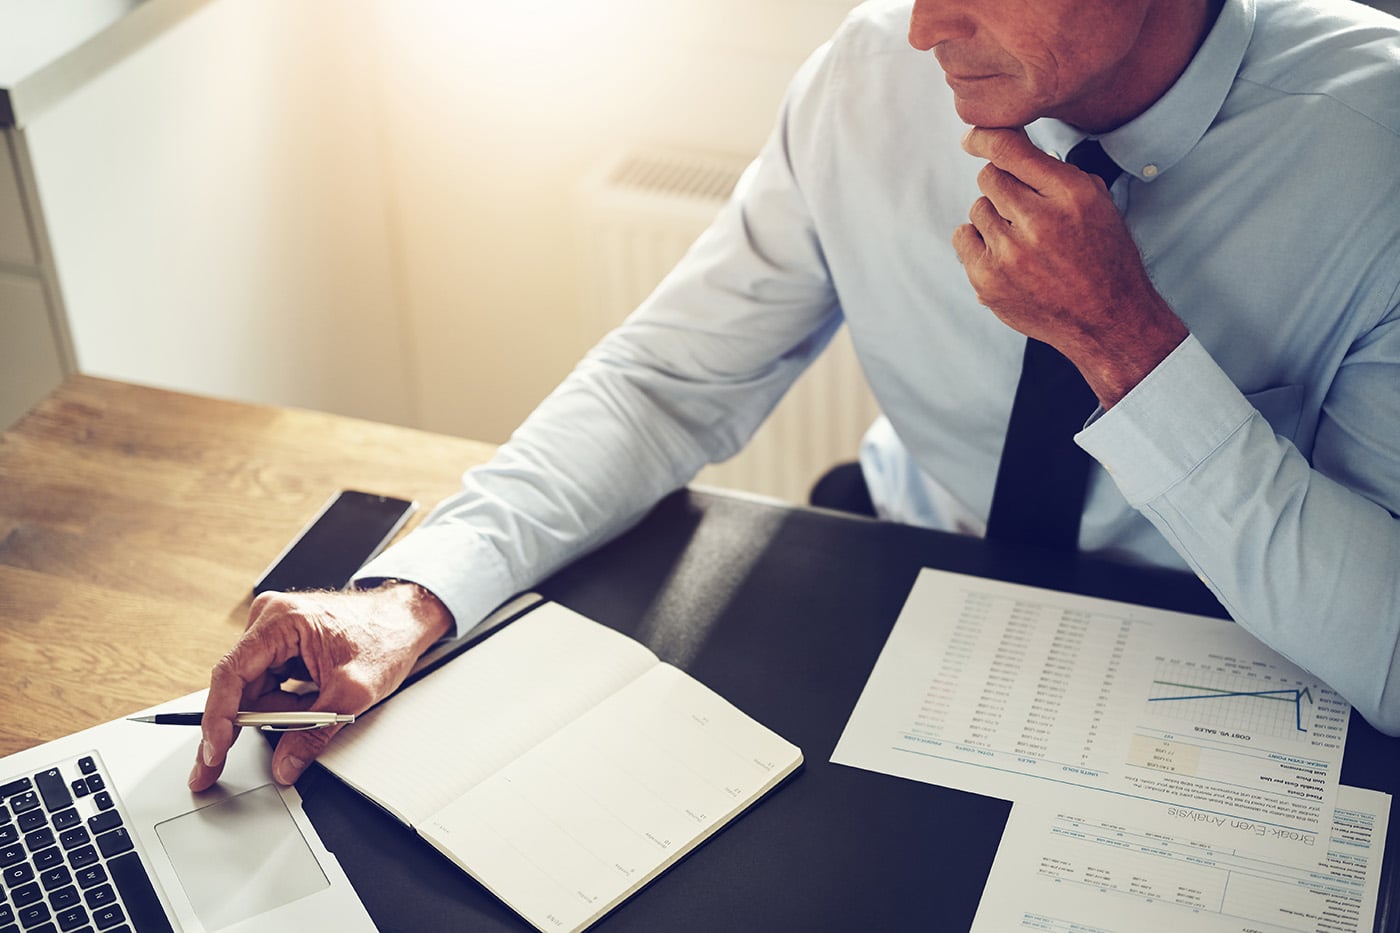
(1039, 494)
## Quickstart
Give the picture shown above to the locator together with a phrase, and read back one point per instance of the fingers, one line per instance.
(296, 750)
(355, 648)
(968, 244)
(985, 233)
(238, 678)
(218, 735)
(1012, 151)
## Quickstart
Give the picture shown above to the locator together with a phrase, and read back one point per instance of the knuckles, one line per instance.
(990, 178)
(995, 145)
(983, 214)
(227, 667)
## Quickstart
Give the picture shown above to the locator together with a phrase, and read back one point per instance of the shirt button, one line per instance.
(1150, 170)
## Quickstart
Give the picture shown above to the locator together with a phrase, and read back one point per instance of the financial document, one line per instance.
(1080, 862)
(1007, 690)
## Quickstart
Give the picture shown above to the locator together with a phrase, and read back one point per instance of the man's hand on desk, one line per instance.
(356, 647)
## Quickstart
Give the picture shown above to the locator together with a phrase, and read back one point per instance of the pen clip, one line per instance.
(269, 727)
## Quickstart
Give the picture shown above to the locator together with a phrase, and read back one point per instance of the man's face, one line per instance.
(1010, 62)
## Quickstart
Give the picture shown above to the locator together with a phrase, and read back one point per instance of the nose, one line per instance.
(933, 22)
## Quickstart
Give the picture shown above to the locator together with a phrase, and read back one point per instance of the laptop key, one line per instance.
(39, 839)
(55, 877)
(100, 896)
(25, 802)
(108, 917)
(93, 874)
(33, 914)
(17, 875)
(32, 820)
(64, 899)
(26, 894)
(9, 854)
(71, 919)
(52, 788)
(64, 819)
(48, 858)
(11, 788)
(82, 858)
(115, 842)
(135, 887)
(107, 819)
(72, 838)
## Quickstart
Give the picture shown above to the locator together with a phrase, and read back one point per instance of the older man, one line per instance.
(1227, 287)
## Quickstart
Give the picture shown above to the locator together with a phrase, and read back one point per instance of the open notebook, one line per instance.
(561, 764)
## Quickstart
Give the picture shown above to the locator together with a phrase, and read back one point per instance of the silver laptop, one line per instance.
(99, 832)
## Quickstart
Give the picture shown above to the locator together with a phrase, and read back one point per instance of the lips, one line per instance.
(962, 68)
(956, 81)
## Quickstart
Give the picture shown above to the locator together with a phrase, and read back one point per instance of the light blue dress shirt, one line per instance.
(1263, 191)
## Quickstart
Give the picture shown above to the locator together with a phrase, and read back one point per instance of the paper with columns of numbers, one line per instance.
(561, 764)
(1009, 690)
(1095, 864)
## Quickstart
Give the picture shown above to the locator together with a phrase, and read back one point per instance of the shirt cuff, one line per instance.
(1167, 425)
(454, 564)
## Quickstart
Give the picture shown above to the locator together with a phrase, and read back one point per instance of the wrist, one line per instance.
(1131, 353)
(432, 617)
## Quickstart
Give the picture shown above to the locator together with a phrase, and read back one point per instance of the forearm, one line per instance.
(684, 382)
(586, 465)
(1304, 563)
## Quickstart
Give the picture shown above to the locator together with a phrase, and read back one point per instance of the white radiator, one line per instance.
(640, 211)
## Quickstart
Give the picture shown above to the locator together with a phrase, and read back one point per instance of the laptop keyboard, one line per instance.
(67, 862)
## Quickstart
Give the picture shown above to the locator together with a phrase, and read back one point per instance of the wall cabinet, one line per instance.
(35, 353)
(211, 198)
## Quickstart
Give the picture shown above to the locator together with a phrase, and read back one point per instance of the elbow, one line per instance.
(1385, 715)
(1386, 719)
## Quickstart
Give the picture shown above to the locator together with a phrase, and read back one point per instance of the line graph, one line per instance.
(1225, 697)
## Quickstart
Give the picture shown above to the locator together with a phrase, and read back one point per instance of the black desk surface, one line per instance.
(783, 612)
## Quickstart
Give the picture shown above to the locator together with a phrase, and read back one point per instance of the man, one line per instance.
(1233, 301)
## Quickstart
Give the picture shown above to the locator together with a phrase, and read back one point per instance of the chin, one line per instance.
(978, 114)
(989, 111)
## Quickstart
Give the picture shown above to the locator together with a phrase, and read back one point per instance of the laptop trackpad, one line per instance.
(240, 857)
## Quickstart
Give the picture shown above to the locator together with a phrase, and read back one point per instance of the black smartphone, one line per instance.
(351, 528)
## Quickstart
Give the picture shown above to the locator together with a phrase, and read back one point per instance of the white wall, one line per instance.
(494, 110)
(366, 206)
(216, 207)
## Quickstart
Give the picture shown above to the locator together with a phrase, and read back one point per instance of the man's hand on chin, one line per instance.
(1049, 254)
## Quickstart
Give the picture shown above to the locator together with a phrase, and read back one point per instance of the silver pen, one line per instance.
(293, 721)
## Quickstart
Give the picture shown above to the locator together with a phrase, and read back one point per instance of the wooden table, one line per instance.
(134, 522)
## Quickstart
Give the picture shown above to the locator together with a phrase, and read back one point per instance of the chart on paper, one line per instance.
(984, 684)
(1234, 698)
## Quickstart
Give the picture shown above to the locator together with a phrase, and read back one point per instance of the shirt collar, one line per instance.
(1162, 135)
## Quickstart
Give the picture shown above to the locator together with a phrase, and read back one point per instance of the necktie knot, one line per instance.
(1089, 157)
